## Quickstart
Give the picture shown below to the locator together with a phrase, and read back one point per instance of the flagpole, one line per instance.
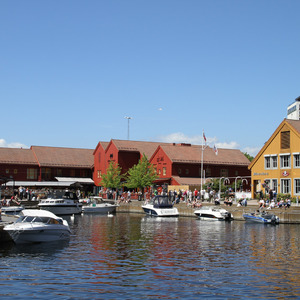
(202, 150)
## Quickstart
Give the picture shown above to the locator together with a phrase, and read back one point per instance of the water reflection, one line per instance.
(136, 256)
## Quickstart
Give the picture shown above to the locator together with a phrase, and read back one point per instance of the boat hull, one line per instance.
(100, 208)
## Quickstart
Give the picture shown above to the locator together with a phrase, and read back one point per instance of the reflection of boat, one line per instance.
(35, 226)
(97, 205)
(261, 217)
(59, 203)
(11, 210)
(213, 213)
(160, 206)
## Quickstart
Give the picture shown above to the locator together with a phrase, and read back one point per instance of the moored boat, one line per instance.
(213, 213)
(160, 206)
(97, 205)
(59, 203)
(36, 226)
(11, 210)
(261, 217)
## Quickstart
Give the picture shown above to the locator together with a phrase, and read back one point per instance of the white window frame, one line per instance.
(274, 158)
(274, 184)
(283, 186)
(267, 162)
(296, 186)
(296, 166)
(282, 157)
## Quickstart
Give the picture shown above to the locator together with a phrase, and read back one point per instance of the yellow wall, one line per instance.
(258, 171)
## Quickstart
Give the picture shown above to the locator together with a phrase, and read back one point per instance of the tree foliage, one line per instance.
(112, 178)
(250, 157)
(141, 175)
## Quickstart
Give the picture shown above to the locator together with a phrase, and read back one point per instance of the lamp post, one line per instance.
(203, 147)
(128, 118)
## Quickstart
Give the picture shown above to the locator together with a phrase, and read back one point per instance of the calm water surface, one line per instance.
(132, 256)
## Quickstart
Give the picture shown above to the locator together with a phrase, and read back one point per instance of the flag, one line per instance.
(204, 137)
(216, 150)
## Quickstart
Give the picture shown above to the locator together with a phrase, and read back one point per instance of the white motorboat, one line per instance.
(261, 217)
(213, 213)
(11, 210)
(97, 205)
(160, 206)
(59, 203)
(36, 226)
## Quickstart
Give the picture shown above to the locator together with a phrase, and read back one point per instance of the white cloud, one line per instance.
(252, 150)
(180, 137)
(3, 143)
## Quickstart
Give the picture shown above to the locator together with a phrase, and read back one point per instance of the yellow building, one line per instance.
(277, 165)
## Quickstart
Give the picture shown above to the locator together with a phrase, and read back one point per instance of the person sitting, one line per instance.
(217, 201)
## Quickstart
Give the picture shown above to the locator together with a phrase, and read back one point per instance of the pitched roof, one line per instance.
(193, 154)
(63, 157)
(293, 124)
(17, 156)
(102, 144)
(146, 148)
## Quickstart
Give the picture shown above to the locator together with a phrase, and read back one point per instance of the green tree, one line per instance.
(249, 156)
(141, 175)
(112, 179)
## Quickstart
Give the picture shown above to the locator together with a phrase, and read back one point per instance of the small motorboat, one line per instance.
(11, 210)
(213, 213)
(36, 226)
(261, 217)
(160, 206)
(97, 205)
(62, 203)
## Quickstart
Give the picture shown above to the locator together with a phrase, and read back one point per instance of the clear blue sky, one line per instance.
(72, 70)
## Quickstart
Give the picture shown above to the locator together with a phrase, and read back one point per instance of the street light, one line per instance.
(128, 118)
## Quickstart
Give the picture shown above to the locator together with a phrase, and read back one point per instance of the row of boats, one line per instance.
(46, 225)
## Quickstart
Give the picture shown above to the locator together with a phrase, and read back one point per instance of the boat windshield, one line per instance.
(33, 219)
(162, 202)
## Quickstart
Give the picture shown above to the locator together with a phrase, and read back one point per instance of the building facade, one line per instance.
(277, 165)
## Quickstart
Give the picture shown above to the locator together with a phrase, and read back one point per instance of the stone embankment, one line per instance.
(288, 216)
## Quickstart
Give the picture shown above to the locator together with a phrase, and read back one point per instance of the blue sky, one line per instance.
(72, 70)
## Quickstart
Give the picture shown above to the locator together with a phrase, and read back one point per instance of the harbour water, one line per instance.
(133, 256)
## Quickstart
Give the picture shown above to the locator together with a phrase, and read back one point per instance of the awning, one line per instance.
(39, 183)
(75, 179)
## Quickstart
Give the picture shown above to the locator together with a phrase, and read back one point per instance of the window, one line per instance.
(159, 171)
(187, 171)
(179, 171)
(267, 162)
(15, 171)
(285, 187)
(32, 174)
(7, 171)
(271, 161)
(274, 185)
(296, 160)
(285, 161)
(59, 172)
(223, 172)
(274, 163)
(297, 186)
(98, 174)
(285, 140)
(208, 172)
(164, 171)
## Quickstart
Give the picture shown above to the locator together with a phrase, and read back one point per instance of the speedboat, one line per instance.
(36, 226)
(97, 205)
(160, 206)
(213, 213)
(261, 217)
(59, 203)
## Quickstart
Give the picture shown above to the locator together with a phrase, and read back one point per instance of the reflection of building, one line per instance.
(277, 165)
